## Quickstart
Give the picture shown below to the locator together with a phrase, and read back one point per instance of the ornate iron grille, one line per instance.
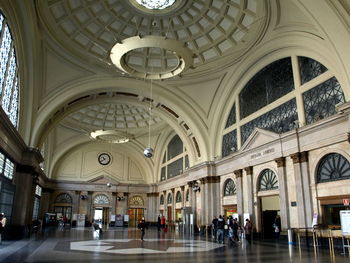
(279, 120)
(229, 187)
(170, 199)
(229, 143)
(310, 69)
(333, 167)
(101, 200)
(175, 147)
(268, 85)
(64, 199)
(178, 197)
(175, 168)
(161, 200)
(268, 180)
(320, 101)
(163, 174)
(231, 117)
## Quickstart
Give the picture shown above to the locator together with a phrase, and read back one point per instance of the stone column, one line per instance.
(23, 201)
(213, 200)
(183, 203)
(302, 183)
(89, 208)
(152, 207)
(249, 173)
(193, 202)
(204, 202)
(114, 203)
(239, 189)
(283, 192)
(126, 203)
(173, 206)
(165, 212)
(76, 203)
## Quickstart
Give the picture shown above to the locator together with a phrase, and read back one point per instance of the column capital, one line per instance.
(249, 170)
(182, 187)
(152, 194)
(126, 194)
(299, 157)
(77, 192)
(281, 162)
(173, 190)
(238, 173)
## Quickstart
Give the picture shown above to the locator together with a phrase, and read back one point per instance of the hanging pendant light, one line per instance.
(148, 152)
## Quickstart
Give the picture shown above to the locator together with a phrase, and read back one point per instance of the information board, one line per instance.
(345, 222)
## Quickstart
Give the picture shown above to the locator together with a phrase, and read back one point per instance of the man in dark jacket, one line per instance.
(221, 227)
(142, 227)
(215, 227)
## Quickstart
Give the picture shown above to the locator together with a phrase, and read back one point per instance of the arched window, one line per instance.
(333, 167)
(178, 197)
(9, 83)
(170, 199)
(268, 180)
(101, 200)
(161, 201)
(63, 199)
(187, 195)
(229, 187)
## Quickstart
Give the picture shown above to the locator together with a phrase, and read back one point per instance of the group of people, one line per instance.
(234, 229)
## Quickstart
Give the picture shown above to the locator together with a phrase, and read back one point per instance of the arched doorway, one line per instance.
(102, 207)
(63, 206)
(136, 210)
(269, 201)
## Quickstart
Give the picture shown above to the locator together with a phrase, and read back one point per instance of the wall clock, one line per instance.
(104, 158)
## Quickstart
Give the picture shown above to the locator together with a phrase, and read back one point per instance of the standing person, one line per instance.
(277, 227)
(215, 227)
(142, 227)
(159, 223)
(230, 229)
(248, 227)
(235, 227)
(162, 222)
(221, 227)
(2, 224)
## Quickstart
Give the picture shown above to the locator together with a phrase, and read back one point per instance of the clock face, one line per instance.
(104, 158)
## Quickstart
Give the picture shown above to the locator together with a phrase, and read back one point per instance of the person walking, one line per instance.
(142, 227)
(2, 225)
(221, 227)
(159, 223)
(214, 224)
(277, 227)
(248, 227)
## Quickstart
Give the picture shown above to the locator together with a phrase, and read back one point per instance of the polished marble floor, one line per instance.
(124, 245)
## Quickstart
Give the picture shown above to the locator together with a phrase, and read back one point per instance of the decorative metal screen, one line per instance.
(9, 86)
(136, 201)
(175, 168)
(175, 147)
(9, 169)
(229, 143)
(268, 180)
(36, 208)
(310, 69)
(64, 199)
(320, 101)
(163, 174)
(101, 200)
(170, 199)
(333, 167)
(178, 197)
(7, 196)
(268, 85)
(279, 120)
(231, 117)
(229, 187)
(161, 200)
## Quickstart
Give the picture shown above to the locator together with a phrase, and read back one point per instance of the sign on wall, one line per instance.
(345, 222)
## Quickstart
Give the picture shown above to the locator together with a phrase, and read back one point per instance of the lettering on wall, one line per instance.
(262, 153)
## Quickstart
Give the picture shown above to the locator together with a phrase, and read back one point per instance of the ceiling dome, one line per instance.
(113, 116)
(212, 30)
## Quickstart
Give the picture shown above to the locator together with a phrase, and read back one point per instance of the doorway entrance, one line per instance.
(135, 215)
(270, 208)
(101, 215)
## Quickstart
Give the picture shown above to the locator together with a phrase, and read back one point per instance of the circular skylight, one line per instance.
(156, 4)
